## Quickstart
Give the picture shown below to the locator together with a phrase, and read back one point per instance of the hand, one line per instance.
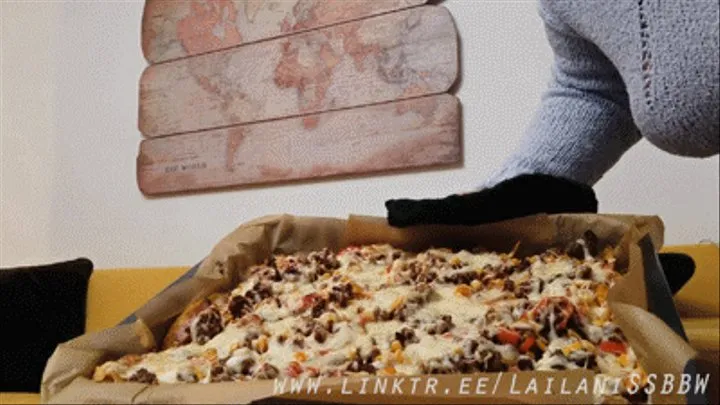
(517, 197)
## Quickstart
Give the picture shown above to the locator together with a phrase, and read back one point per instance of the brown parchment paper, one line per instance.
(66, 377)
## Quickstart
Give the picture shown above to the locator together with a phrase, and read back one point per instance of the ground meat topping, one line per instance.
(143, 376)
(206, 326)
(267, 372)
(406, 336)
(341, 294)
(239, 306)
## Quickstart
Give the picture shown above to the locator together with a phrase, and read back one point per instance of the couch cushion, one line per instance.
(42, 306)
(20, 398)
(115, 294)
(699, 297)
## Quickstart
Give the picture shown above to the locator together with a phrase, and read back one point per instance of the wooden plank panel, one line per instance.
(394, 56)
(173, 29)
(404, 134)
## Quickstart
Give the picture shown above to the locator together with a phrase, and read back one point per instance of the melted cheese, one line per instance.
(279, 354)
(270, 312)
(235, 362)
(431, 348)
(480, 261)
(387, 297)
(345, 335)
(280, 327)
(508, 352)
(598, 273)
(350, 312)
(546, 271)
(595, 333)
(444, 301)
(371, 276)
(556, 288)
(224, 342)
(383, 332)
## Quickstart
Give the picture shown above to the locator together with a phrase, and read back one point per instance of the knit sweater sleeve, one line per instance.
(584, 124)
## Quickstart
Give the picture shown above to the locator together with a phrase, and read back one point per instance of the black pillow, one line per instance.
(42, 306)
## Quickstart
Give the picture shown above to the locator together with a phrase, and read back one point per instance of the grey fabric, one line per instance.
(623, 70)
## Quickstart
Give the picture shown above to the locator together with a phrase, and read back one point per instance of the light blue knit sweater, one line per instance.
(623, 69)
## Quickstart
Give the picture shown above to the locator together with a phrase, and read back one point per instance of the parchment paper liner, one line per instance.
(659, 348)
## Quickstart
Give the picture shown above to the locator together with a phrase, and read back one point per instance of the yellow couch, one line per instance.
(114, 294)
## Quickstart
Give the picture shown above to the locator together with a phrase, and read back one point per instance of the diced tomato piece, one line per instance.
(308, 301)
(566, 308)
(611, 346)
(349, 248)
(294, 369)
(563, 322)
(508, 336)
(527, 344)
(130, 359)
(310, 298)
(313, 372)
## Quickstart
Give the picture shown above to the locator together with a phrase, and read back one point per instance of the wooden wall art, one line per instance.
(174, 29)
(402, 134)
(303, 93)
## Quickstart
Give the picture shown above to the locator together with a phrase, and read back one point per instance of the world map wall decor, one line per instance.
(258, 92)
(175, 29)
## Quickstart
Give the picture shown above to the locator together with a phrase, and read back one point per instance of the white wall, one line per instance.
(69, 141)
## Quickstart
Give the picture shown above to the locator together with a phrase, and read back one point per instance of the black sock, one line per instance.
(517, 197)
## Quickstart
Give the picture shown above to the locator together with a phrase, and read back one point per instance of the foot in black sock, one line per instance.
(517, 197)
